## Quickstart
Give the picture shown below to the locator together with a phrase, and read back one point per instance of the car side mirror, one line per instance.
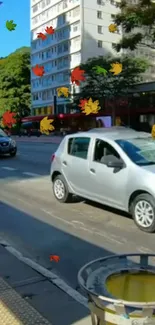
(113, 162)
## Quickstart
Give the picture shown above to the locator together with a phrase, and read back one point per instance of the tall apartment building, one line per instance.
(81, 32)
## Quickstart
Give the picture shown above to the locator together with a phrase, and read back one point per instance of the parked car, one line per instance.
(115, 167)
(7, 145)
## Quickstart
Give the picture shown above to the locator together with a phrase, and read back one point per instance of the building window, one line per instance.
(99, 2)
(64, 4)
(99, 14)
(76, 12)
(35, 8)
(113, 16)
(43, 4)
(99, 29)
(76, 27)
(100, 43)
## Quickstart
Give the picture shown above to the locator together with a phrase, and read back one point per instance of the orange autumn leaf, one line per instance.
(54, 258)
(42, 36)
(9, 119)
(49, 30)
(83, 103)
(77, 75)
(38, 70)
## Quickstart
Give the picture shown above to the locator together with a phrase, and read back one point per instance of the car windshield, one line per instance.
(2, 133)
(140, 150)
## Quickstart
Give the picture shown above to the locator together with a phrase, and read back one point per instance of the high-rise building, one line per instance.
(81, 32)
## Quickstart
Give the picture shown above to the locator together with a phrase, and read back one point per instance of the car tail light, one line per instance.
(53, 157)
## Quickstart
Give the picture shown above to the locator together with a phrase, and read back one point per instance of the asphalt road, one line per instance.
(37, 225)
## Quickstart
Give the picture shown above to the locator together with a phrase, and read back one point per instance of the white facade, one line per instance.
(81, 32)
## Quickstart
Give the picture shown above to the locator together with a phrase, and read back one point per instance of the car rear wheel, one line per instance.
(143, 212)
(60, 189)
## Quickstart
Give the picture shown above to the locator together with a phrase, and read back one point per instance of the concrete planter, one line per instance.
(105, 308)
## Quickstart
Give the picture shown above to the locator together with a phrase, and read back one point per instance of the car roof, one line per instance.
(112, 133)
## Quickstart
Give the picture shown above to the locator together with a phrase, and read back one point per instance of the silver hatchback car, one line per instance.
(113, 166)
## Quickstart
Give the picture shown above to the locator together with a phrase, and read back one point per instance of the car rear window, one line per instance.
(78, 147)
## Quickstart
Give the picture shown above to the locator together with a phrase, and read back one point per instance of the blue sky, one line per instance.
(19, 11)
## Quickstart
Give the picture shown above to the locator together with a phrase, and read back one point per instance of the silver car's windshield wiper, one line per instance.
(147, 163)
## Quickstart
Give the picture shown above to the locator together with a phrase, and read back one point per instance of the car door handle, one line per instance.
(64, 163)
(92, 170)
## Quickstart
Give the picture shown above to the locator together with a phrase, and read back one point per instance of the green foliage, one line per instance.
(137, 22)
(99, 86)
(15, 82)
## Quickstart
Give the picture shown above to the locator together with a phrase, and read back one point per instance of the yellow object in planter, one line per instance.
(136, 286)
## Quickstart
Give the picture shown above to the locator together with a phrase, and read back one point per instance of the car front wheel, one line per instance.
(13, 153)
(143, 212)
(60, 189)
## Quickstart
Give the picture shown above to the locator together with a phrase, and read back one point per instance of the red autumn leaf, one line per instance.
(42, 36)
(77, 75)
(54, 258)
(50, 30)
(9, 119)
(38, 70)
(82, 103)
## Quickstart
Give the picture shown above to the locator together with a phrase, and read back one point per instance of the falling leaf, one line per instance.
(113, 28)
(10, 25)
(42, 36)
(82, 103)
(46, 126)
(91, 107)
(49, 30)
(153, 131)
(77, 75)
(116, 68)
(54, 258)
(38, 70)
(100, 70)
(63, 91)
(9, 119)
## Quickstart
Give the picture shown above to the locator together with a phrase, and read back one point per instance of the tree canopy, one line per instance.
(137, 23)
(99, 86)
(15, 93)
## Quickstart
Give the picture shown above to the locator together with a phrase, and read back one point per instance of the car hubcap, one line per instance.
(59, 189)
(144, 214)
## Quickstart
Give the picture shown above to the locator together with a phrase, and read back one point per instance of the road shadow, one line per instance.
(27, 232)
(107, 208)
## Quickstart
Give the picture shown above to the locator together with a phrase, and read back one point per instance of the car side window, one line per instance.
(78, 147)
(102, 149)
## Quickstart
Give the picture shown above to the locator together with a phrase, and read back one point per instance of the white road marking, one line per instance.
(31, 174)
(61, 284)
(9, 168)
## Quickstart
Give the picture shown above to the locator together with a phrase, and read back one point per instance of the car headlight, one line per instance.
(13, 143)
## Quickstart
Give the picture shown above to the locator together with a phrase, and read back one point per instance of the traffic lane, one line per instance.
(39, 152)
(42, 226)
(29, 159)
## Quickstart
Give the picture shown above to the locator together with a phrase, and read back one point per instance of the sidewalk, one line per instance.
(41, 139)
(28, 298)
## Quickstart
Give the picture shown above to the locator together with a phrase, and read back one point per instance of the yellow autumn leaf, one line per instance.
(113, 28)
(46, 126)
(63, 91)
(153, 131)
(116, 68)
(91, 107)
